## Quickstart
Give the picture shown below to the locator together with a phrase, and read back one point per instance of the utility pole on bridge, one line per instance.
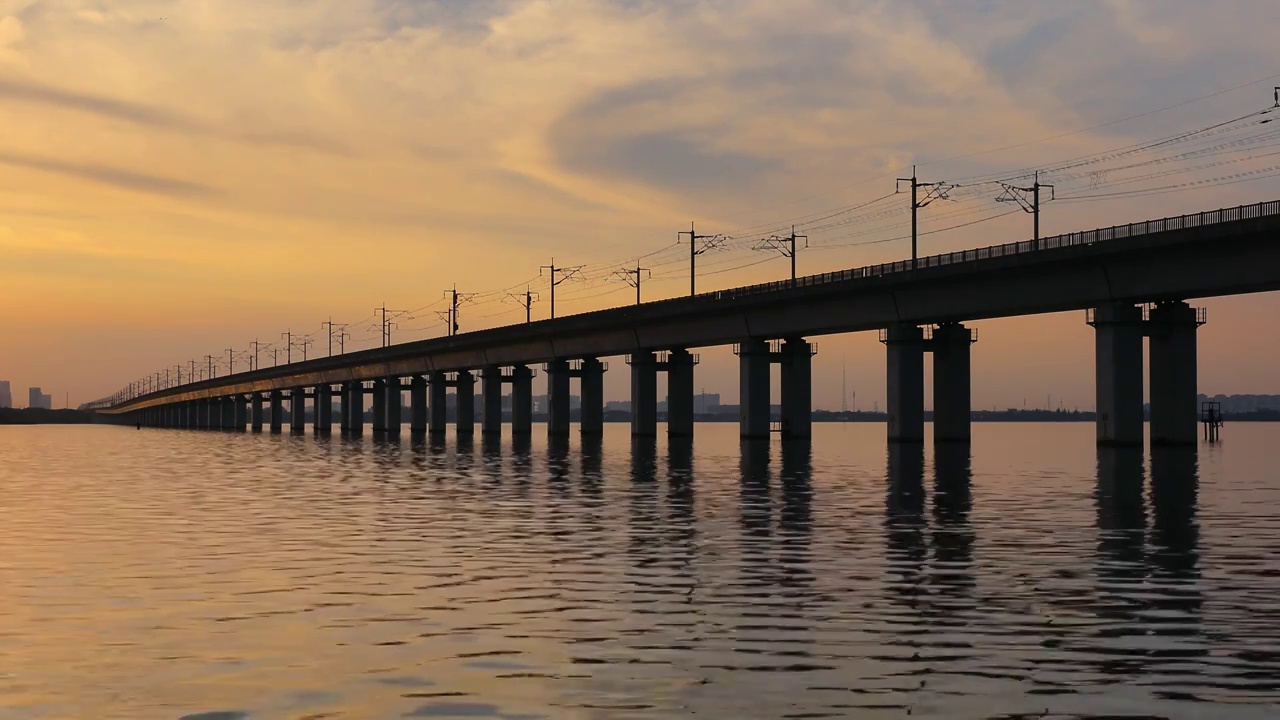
(1031, 204)
(387, 322)
(633, 277)
(257, 364)
(209, 359)
(341, 334)
(937, 191)
(288, 341)
(698, 244)
(785, 245)
(525, 301)
(457, 299)
(559, 275)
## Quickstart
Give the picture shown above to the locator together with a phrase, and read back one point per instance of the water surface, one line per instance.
(179, 574)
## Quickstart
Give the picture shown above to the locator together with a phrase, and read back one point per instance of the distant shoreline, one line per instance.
(40, 416)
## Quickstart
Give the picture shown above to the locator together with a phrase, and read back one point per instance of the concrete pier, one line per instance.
(904, 349)
(298, 411)
(322, 410)
(228, 413)
(418, 405)
(797, 389)
(242, 412)
(395, 400)
(379, 407)
(355, 413)
(592, 412)
(680, 394)
(255, 412)
(465, 403)
(277, 411)
(438, 408)
(1174, 413)
(951, 383)
(521, 401)
(491, 392)
(1118, 331)
(558, 398)
(644, 394)
(344, 407)
(753, 389)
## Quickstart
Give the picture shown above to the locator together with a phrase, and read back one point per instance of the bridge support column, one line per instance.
(797, 389)
(379, 407)
(242, 412)
(491, 392)
(418, 405)
(229, 413)
(197, 414)
(439, 403)
(255, 412)
(591, 415)
(355, 410)
(521, 401)
(277, 411)
(465, 400)
(558, 398)
(1174, 415)
(904, 349)
(680, 394)
(298, 411)
(753, 389)
(951, 383)
(644, 394)
(394, 403)
(344, 408)
(322, 410)
(1118, 331)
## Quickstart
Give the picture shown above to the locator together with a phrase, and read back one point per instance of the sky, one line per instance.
(182, 177)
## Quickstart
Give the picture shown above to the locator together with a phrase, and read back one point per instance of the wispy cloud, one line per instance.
(113, 176)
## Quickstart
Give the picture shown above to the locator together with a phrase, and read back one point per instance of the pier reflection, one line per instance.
(1147, 563)
(905, 546)
(952, 532)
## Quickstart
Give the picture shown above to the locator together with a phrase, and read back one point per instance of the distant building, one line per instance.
(6, 398)
(704, 403)
(618, 406)
(37, 399)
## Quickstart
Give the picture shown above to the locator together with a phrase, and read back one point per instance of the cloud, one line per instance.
(116, 177)
(139, 113)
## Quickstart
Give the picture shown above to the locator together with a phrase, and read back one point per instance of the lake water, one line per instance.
(179, 574)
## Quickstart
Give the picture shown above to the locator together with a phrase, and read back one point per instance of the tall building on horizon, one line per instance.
(37, 399)
(6, 397)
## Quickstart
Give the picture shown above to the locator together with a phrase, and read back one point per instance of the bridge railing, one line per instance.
(1087, 237)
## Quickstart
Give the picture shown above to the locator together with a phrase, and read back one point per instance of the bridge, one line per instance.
(1132, 280)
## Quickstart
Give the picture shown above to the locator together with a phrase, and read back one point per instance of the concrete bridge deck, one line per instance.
(1221, 252)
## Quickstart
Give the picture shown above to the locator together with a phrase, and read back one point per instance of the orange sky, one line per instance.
(180, 177)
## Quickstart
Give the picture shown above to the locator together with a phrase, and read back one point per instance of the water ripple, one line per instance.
(203, 576)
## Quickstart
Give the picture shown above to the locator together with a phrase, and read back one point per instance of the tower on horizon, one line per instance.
(6, 397)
